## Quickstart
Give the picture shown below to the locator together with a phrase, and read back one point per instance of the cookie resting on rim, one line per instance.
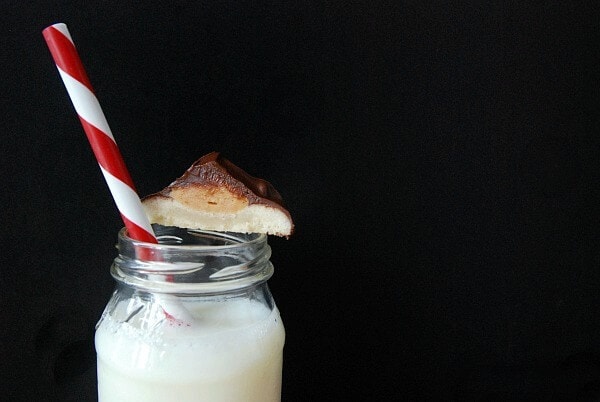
(214, 194)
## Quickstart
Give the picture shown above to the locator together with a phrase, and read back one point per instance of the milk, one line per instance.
(230, 352)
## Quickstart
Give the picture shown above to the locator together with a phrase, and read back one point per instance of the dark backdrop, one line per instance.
(441, 164)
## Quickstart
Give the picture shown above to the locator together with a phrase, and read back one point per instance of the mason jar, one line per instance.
(191, 319)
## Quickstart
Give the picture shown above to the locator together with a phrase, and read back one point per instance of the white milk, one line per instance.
(232, 352)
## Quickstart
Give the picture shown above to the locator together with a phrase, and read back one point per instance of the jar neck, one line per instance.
(193, 261)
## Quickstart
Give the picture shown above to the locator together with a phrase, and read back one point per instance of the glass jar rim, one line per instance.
(238, 240)
(220, 261)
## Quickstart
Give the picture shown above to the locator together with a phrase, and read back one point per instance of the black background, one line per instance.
(441, 163)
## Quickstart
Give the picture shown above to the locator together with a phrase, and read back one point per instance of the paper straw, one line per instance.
(98, 132)
(105, 148)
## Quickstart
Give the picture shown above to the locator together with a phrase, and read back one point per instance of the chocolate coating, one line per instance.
(213, 170)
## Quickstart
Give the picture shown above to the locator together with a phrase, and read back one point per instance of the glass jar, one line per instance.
(191, 319)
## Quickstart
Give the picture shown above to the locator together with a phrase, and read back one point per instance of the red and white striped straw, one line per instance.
(98, 132)
(105, 148)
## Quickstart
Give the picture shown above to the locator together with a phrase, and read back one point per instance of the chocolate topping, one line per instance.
(213, 170)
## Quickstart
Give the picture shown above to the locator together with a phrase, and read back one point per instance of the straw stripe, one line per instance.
(86, 105)
(127, 200)
(63, 29)
(65, 54)
(139, 233)
(107, 153)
